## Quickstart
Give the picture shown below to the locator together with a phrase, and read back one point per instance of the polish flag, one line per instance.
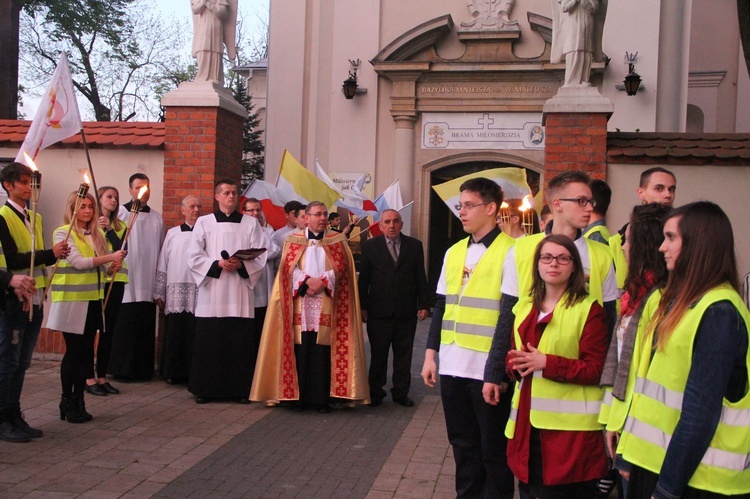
(272, 200)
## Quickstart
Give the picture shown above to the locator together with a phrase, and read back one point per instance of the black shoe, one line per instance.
(375, 402)
(202, 400)
(109, 388)
(243, 401)
(70, 410)
(15, 418)
(82, 409)
(95, 389)
(405, 401)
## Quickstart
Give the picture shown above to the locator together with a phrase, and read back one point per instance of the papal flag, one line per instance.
(296, 182)
(512, 180)
(57, 117)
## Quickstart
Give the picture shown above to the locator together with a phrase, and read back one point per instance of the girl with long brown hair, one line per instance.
(555, 443)
(688, 429)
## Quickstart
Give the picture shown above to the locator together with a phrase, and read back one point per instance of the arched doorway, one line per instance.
(444, 228)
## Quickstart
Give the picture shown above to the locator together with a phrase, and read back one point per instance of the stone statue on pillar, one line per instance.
(490, 14)
(214, 26)
(577, 27)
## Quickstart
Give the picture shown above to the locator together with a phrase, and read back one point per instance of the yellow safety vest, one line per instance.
(601, 229)
(3, 263)
(22, 237)
(657, 407)
(122, 274)
(555, 405)
(471, 315)
(614, 411)
(71, 284)
(600, 261)
(618, 255)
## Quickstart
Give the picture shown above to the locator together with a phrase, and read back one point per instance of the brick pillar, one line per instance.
(203, 144)
(575, 141)
(576, 132)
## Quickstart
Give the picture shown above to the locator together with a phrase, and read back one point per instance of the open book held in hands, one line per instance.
(249, 254)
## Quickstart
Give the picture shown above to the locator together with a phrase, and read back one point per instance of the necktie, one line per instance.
(392, 249)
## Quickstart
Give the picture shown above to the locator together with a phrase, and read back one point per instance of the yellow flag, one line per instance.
(296, 182)
(512, 180)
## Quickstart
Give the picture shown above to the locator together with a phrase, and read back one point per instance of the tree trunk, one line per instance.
(9, 14)
(743, 13)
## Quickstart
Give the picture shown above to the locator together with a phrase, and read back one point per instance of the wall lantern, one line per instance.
(350, 87)
(632, 81)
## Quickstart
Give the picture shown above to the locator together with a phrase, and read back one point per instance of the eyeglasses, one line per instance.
(561, 259)
(581, 201)
(468, 206)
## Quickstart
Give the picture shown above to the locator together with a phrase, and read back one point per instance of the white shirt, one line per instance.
(144, 243)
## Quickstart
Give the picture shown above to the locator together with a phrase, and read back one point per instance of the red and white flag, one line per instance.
(57, 117)
(271, 199)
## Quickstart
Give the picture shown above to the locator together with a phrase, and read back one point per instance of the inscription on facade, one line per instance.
(428, 90)
(482, 131)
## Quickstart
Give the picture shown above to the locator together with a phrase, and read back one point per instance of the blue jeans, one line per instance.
(18, 338)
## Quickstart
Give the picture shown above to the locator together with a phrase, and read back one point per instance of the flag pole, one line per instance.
(91, 168)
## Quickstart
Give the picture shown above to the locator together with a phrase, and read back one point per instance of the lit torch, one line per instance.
(36, 186)
(134, 210)
(527, 215)
(83, 190)
(505, 216)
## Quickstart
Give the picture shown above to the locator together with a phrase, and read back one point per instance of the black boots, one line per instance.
(70, 409)
(8, 431)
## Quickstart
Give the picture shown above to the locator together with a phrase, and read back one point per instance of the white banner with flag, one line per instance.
(57, 117)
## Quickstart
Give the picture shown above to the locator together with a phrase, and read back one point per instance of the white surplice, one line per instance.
(144, 243)
(174, 280)
(230, 295)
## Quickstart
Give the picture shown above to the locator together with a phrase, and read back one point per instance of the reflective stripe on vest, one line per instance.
(471, 313)
(556, 405)
(22, 237)
(657, 407)
(71, 284)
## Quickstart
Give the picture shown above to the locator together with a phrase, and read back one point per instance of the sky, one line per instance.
(253, 10)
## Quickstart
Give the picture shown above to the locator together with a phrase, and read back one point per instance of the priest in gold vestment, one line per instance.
(312, 349)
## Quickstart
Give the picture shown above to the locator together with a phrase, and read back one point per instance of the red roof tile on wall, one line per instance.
(679, 148)
(118, 134)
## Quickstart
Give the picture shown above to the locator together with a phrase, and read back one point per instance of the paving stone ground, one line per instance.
(154, 441)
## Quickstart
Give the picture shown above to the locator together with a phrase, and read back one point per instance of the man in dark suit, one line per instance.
(393, 295)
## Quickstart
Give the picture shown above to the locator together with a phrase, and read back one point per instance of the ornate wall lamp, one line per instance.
(632, 82)
(350, 87)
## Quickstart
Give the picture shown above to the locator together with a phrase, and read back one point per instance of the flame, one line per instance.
(30, 162)
(142, 191)
(525, 204)
(86, 178)
(504, 206)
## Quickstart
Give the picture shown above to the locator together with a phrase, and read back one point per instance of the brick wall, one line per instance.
(575, 141)
(202, 145)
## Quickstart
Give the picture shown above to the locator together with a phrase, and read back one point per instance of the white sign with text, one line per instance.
(482, 131)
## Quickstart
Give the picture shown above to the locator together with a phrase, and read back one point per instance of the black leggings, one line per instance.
(78, 347)
(104, 346)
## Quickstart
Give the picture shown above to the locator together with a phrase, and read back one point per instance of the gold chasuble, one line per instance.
(340, 326)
